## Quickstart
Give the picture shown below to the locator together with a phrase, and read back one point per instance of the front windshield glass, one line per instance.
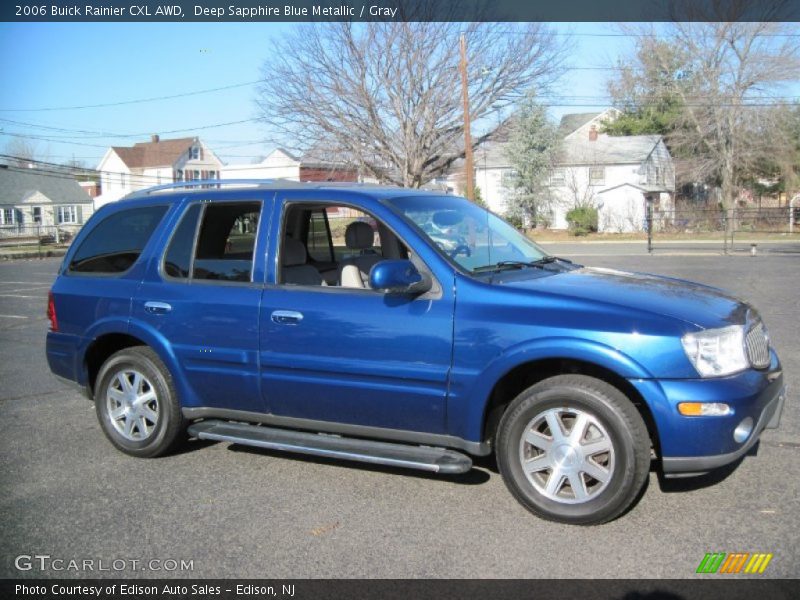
(471, 236)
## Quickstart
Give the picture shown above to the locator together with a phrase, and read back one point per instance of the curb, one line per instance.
(30, 255)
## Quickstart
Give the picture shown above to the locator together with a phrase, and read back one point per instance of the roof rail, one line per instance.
(198, 184)
(213, 183)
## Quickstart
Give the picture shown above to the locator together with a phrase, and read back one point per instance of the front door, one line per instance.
(348, 355)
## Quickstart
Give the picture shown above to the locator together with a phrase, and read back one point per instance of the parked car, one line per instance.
(190, 308)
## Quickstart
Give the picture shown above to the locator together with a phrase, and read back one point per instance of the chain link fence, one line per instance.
(724, 225)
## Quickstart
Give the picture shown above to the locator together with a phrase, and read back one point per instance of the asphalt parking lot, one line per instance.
(238, 512)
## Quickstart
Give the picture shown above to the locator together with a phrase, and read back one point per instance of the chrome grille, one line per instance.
(757, 343)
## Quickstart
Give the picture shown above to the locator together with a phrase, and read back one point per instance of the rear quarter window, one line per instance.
(117, 241)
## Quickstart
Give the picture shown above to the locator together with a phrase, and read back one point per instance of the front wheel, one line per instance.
(573, 449)
(136, 403)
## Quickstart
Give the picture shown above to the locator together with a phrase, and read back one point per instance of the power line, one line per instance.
(137, 101)
(97, 134)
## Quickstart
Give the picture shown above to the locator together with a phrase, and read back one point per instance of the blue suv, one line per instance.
(404, 328)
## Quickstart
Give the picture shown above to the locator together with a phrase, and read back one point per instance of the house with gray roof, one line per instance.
(34, 201)
(618, 175)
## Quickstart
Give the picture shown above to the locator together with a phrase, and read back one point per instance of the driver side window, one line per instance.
(333, 245)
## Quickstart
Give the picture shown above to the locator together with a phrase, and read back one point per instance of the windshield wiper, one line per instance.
(519, 264)
(546, 260)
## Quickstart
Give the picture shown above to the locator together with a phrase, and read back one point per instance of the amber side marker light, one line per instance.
(51, 312)
(704, 409)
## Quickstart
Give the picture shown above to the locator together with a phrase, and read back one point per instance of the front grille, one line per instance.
(757, 343)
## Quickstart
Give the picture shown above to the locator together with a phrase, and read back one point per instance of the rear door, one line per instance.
(203, 296)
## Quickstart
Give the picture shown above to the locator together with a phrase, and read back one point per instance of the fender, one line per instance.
(470, 392)
(161, 346)
(109, 325)
(151, 337)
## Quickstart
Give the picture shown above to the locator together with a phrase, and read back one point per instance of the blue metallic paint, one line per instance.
(424, 364)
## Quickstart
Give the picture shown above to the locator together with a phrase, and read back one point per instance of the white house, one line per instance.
(280, 164)
(126, 169)
(314, 165)
(615, 174)
(32, 202)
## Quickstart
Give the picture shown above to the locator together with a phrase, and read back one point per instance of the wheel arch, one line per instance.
(526, 374)
(99, 351)
(136, 334)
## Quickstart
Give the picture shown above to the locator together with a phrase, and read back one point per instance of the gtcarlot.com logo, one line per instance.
(46, 562)
(734, 562)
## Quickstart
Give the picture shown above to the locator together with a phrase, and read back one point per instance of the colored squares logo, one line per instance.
(735, 562)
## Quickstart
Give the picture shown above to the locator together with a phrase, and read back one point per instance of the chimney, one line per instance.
(154, 138)
(593, 133)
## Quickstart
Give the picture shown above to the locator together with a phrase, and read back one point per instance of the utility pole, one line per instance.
(468, 166)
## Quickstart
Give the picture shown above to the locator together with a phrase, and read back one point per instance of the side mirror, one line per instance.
(398, 277)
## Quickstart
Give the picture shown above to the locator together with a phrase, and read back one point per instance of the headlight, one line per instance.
(716, 352)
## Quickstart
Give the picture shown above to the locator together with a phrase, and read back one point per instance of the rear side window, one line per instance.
(117, 241)
(225, 243)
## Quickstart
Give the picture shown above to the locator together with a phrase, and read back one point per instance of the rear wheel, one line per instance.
(136, 403)
(573, 449)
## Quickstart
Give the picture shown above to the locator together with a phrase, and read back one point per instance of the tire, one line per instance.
(137, 405)
(573, 449)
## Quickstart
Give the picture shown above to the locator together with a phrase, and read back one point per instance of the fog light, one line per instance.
(704, 409)
(743, 430)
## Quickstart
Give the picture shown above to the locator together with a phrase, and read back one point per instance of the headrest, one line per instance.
(294, 252)
(359, 235)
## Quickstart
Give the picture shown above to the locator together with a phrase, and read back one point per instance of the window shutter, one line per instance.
(80, 213)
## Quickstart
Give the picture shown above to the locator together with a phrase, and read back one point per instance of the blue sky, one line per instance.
(49, 65)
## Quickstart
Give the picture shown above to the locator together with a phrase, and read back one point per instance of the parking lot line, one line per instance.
(20, 296)
(13, 317)
(27, 289)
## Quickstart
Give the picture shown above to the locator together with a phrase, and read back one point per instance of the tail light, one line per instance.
(51, 312)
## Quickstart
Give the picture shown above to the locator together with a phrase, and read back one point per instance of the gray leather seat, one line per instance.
(358, 236)
(295, 270)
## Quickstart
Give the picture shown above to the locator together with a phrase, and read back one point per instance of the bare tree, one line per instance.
(580, 191)
(20, 152)
(387, 97)
(721, 74)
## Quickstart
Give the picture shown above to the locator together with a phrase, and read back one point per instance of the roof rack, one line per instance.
(200, 184)
(216, 183)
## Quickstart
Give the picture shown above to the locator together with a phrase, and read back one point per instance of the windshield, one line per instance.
(471, 236)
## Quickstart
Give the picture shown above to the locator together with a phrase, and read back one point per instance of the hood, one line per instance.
(703, 306)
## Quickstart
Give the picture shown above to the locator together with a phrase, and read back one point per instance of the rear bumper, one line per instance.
(697, 465)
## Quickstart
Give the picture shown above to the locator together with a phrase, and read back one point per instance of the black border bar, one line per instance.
(708, 587)
(611, 11)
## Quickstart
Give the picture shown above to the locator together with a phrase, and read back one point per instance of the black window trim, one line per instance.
(331, 253)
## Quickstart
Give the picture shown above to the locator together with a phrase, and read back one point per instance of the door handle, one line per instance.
(286, 317)
(157, 308)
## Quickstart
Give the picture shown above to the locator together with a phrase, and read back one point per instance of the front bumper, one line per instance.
(697, 465)
(695, 445)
